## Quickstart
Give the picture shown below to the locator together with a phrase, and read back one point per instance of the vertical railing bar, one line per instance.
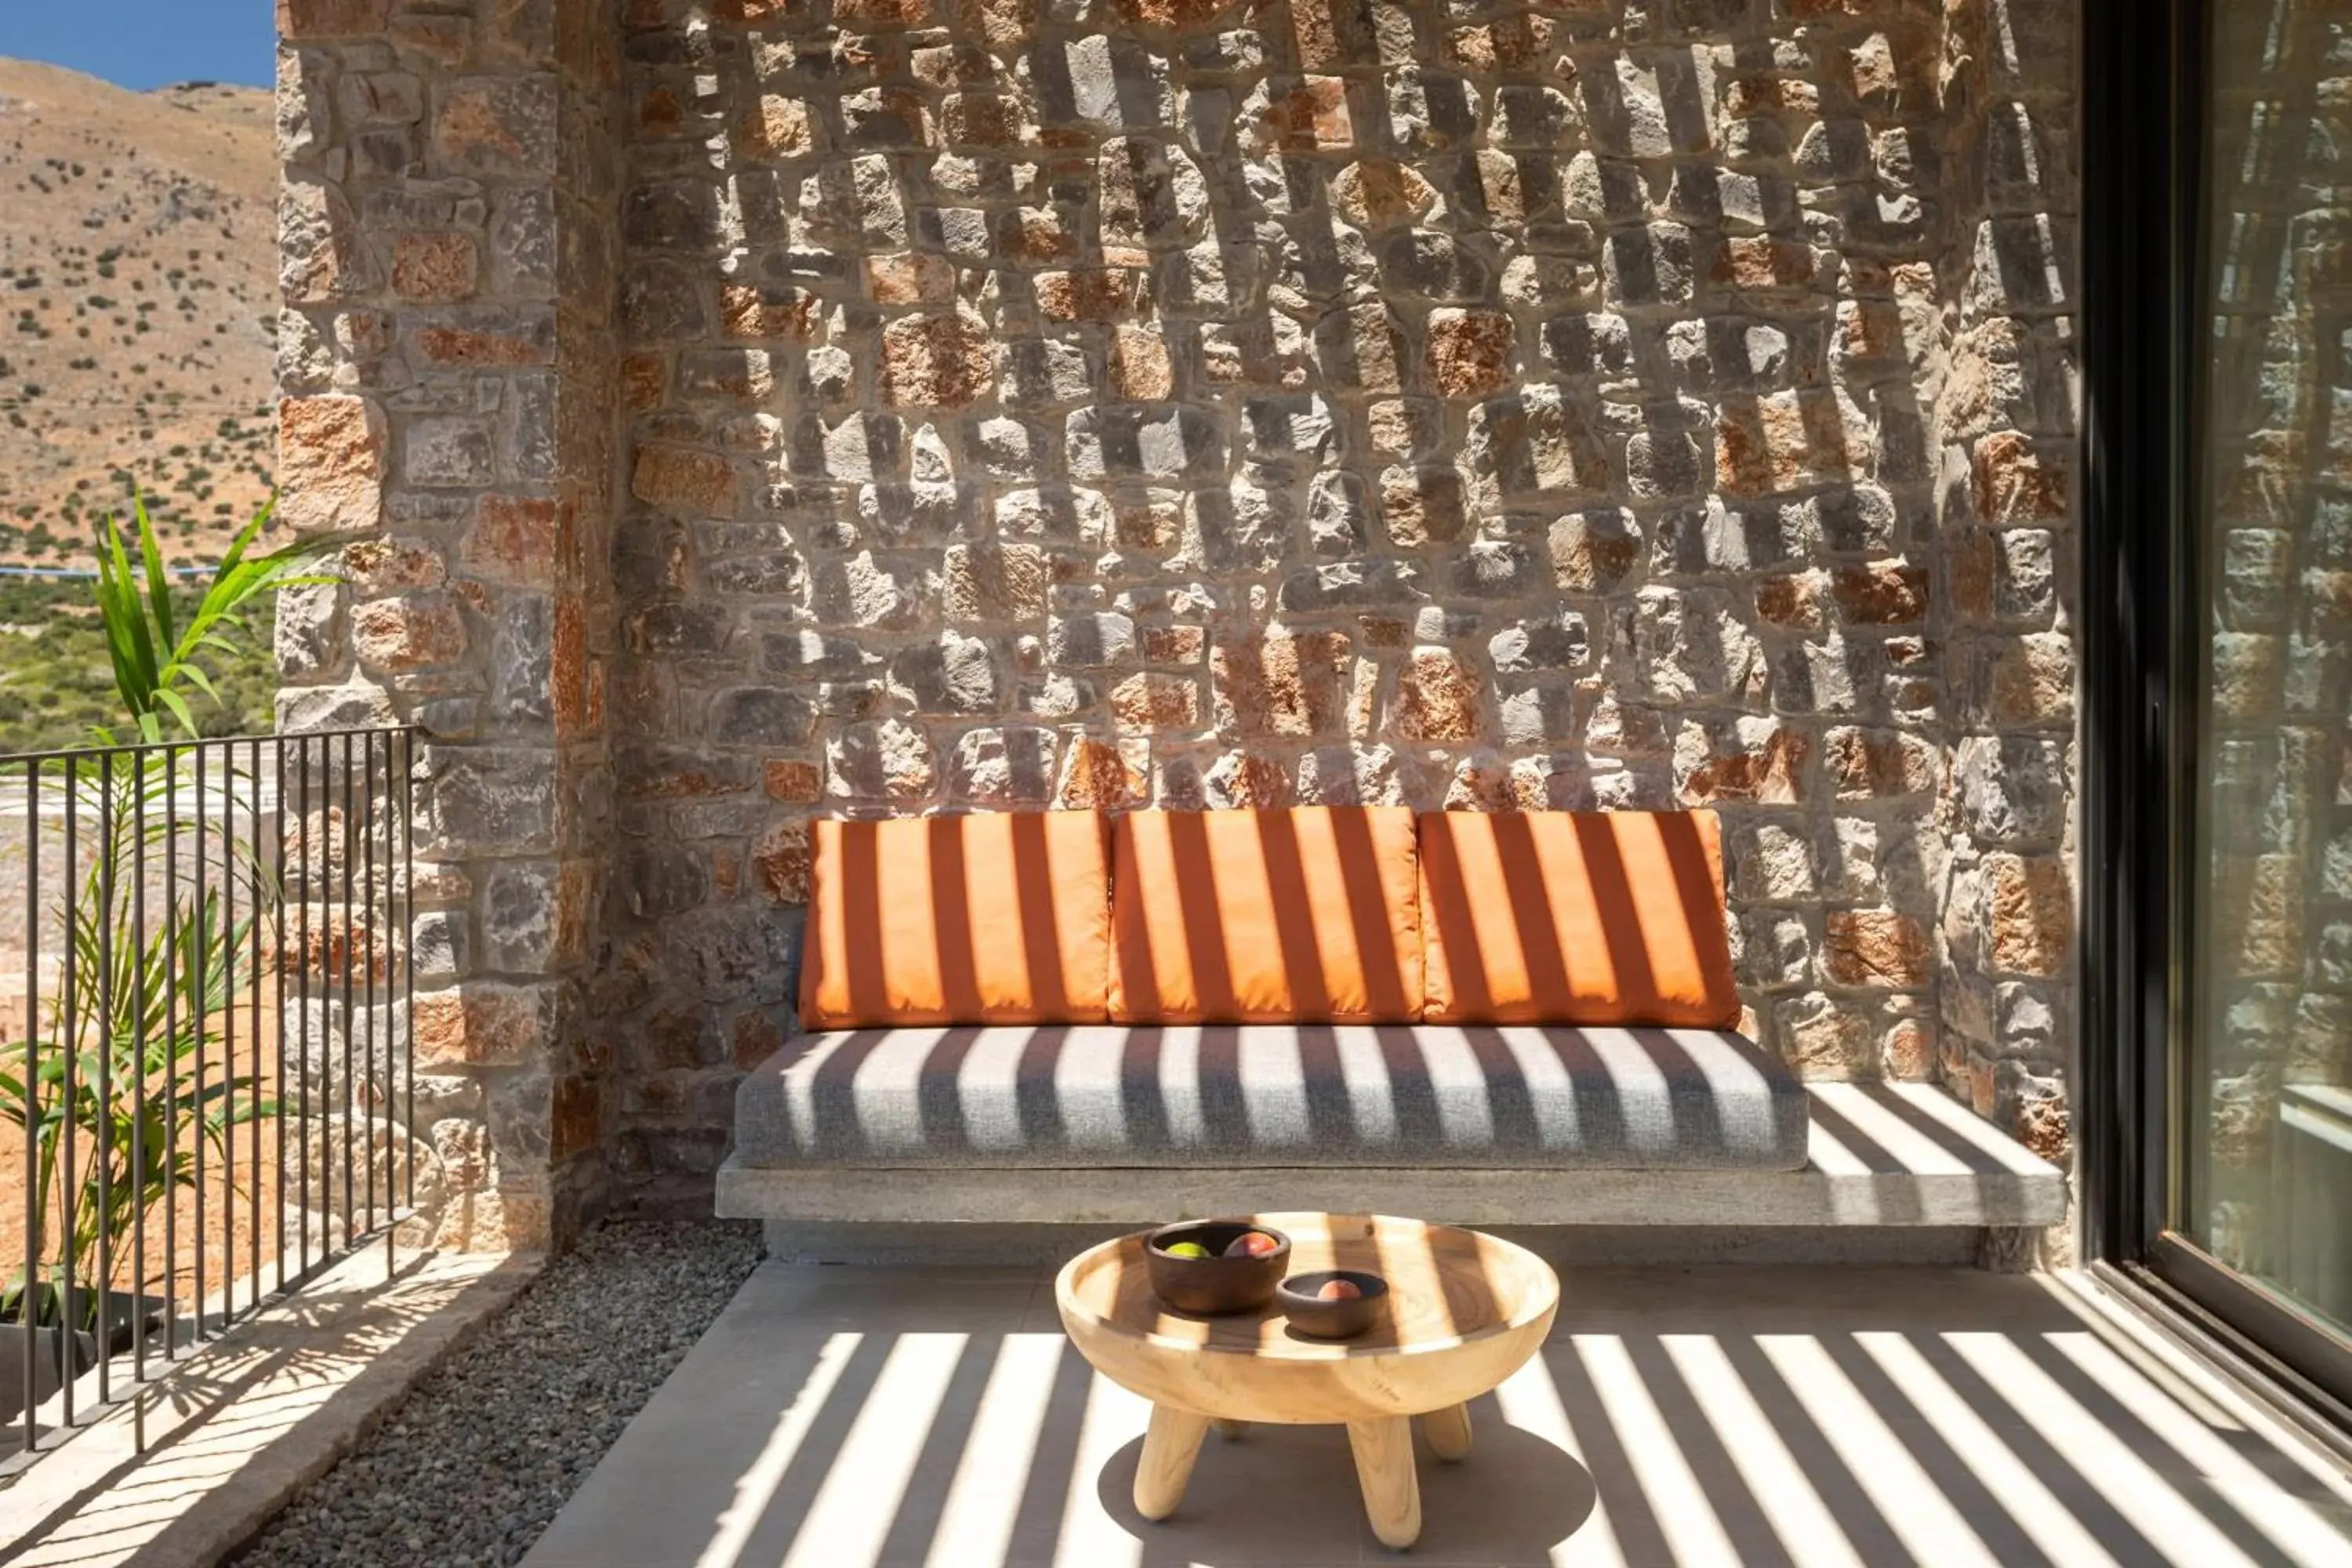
(302, 987)
(380, 893)
(374, 927)
(399, 1138)
(27, 1310)
(108, 825)
(228, 1034)
(253, 1022)
(343, 848)
(71, 1041)
(277, 977)
(175, 932)
(408, 931)
(140, 981)
(202, 958)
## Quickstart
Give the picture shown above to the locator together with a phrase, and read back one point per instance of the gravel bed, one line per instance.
(484, 1451)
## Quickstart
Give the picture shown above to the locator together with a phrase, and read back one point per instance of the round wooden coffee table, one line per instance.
(1465, 1311)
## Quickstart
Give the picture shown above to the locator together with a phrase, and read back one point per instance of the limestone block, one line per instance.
(410, 632)
(936, 362)
(1159, 442)
(889, 763)
(953, 675)
(1823, 1037)
(322, 257)
(1152, 194)
(994, 582)
(498, 125)
(1435, 266)
(1003, 768)
(330, 463)
(483, 1024)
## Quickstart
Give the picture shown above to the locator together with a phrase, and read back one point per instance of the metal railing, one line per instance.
(212, 1069)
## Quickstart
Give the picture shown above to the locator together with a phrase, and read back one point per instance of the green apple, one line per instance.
(1185, 1249)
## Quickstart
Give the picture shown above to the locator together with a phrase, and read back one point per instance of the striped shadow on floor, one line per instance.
(843, 1418)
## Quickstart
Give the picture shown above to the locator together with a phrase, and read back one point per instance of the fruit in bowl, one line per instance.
(1215, 1266)
(1334, 1304)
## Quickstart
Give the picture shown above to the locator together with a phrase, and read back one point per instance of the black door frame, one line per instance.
(2142, 146)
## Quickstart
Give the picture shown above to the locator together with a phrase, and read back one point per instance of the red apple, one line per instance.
(1252, 1243)
(1340, 1290)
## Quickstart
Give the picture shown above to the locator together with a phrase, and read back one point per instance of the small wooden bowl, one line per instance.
(1341, 1320)
(1215, 1284)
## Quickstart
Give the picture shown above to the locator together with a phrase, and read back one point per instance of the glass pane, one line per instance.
(2265, 1167)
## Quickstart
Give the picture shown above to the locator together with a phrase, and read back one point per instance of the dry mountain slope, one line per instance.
(138, 281)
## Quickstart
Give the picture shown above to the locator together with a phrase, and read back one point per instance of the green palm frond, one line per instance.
(155, 657)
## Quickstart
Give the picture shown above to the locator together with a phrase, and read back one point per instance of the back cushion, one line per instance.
(1001, 919)
(1266, 917)
(1560, 917)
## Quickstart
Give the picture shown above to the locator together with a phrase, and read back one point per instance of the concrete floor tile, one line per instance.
(935, 1418)
(828, 1298)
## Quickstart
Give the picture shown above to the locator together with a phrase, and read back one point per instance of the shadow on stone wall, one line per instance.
(1122, 401)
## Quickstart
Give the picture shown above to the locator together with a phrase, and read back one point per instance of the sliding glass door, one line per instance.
(2264, 1125)
(2217, 587)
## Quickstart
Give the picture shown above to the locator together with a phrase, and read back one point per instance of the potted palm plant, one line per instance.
(72, 1081)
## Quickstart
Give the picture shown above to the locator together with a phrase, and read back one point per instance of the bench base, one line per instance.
(1564, 1246)
(1895, 1173)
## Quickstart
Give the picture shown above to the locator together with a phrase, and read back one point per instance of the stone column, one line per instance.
(2005, 507)
(445, 363)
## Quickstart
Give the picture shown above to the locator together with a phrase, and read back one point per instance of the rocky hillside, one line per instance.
(137, 308)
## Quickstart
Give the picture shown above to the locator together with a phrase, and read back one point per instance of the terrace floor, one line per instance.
(844, 1416)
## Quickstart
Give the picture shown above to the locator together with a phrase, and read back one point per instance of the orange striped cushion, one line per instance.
(1591, 918)
(1264, 917)
(1001, 919)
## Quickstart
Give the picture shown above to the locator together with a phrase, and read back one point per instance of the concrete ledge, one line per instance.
(1880, 1155)
(1564, 1246)
(236, 1428)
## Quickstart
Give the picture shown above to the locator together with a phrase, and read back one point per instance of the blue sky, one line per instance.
(145, 43)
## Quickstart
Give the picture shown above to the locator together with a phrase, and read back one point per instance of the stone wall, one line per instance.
(446, 353)
(2002, 519)
(1059, 403)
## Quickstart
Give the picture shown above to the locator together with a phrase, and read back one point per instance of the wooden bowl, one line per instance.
(1340, 1320)
(1216, 1284)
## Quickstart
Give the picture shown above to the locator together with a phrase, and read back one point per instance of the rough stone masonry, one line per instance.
(752, 409)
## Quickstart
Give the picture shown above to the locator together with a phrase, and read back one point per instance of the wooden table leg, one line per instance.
(1171, 1444)
(1448, 1431)
(1231, 1431)
(1384, 1450)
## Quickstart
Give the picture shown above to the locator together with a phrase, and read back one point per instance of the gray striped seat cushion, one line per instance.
(1322, 1094)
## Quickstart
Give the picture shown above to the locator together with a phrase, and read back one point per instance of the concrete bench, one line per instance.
(1101, 1125)
(1425, 1097)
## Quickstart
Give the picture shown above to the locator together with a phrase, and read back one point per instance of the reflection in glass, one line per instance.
(2265, 1141)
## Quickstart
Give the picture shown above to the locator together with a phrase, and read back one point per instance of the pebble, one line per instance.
(473, 1465)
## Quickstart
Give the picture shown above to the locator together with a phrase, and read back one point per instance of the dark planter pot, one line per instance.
(123, 1308)
(122, 1311)
(52, 1349)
